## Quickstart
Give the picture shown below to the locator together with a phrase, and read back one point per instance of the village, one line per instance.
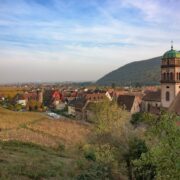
(77, 102)
(89, 90)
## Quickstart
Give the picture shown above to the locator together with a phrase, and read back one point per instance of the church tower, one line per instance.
(170, 77)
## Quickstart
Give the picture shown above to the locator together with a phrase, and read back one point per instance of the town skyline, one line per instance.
(57, 41)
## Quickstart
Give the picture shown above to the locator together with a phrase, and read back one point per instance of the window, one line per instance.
(164, 76)
(171, 76)
(167, 96)
(177, 76)
(167, 86)
(167, 76)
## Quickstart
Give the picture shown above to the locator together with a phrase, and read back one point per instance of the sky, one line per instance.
(82, 40)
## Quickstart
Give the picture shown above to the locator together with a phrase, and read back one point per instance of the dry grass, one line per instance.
(10, 91)
(38, 128)
(10, 119)
(26, 135)
(70, 132)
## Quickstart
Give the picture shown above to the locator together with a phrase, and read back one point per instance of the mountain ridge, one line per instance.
(143, 72)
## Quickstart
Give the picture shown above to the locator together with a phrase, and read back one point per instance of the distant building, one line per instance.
(79, 107)
(130, 102)
(76, 106)
(95, 96)
(151, 102)
(170, 77)
(169, 96)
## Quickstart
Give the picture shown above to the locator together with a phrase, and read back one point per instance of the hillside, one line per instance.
(40, 129)
(29, 140)
(145, 72)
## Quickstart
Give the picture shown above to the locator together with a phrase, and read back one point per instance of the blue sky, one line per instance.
(79, 40)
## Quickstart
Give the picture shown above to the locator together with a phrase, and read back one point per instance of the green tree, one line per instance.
(164, 147)
(104, 153)
(109, 118)
(136, 148)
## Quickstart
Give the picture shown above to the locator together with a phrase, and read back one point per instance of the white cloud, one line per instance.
(62, 49)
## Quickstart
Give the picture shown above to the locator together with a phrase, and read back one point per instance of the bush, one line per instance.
(164, 142)
(137, 118)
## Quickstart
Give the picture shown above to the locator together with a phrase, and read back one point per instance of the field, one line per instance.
(40, 129)
(29, 140)
(10, 91)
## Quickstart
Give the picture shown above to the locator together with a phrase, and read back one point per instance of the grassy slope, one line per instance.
(54, 139)
(40, 129)
(28, 161)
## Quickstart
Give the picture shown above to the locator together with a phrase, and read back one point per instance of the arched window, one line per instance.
(171, 76)
(167, 76)
(164, 76)
(167, 96)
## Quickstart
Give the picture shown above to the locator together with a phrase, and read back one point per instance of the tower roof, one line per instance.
(171, 54)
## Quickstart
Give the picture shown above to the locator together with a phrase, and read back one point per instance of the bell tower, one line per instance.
(170, 76)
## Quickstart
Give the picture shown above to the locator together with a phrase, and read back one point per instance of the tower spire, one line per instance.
(171, 44)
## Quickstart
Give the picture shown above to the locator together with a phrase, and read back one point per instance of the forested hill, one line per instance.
(145, 72)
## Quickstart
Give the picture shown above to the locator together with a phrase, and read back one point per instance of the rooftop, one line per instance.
(171, 54)
(153, 96)
(126, 100)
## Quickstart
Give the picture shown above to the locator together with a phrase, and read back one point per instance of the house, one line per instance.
(53, 98)
(20, 99)
(2, 98)
(75, 107)
(110, 94)
(34, 99)
(79, 107)
(151, 102)
(56, 100)
(68, 96)
(95, 96)
(130, 102)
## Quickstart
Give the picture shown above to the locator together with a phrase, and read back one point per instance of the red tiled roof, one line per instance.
(95, 96)
(56, 95)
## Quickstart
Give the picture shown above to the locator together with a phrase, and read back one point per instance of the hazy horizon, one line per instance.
(76, 40)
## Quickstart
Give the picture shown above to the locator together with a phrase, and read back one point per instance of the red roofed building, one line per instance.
(56, 95)
(95, 96)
